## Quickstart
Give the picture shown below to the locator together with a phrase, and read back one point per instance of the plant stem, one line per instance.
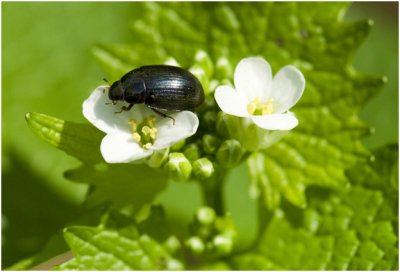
(264, 218)
(213, 194)
(57, 260)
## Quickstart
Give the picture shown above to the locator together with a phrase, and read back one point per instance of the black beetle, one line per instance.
(160, 87)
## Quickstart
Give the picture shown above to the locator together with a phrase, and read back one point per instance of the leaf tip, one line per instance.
(48, 128)
(28, 116)
(31, 117)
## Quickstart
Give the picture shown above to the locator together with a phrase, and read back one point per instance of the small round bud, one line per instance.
(172, 62)
(206, 215)
(229, 153)
(223, 68)
(204, 60)
(179, 166)
(210, 143)
(173, 264)
(213, 85)
(204, 231)
(201, 75)
(222, 244)
(222, 124)
(195, 245)
(172, 244)
(192, 152)
(203, 168)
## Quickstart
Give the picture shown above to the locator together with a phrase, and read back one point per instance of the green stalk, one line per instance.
(264, 216)
(213, 191)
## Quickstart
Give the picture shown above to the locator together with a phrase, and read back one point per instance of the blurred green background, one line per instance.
(47, 67)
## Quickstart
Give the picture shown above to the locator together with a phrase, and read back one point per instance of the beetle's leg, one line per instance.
(125, 108)
(164, 115)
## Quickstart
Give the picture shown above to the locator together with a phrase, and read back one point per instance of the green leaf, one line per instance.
(135, 185)
(103, 249)
(120, 184)
(381, 173)
(81, 141)
(313, 37)
(345, 229)
(119, 244)
(254, 261)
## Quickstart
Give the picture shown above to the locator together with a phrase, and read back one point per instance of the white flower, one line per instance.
(263, 99)
(135, 134)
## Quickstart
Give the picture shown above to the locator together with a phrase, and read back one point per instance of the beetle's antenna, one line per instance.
(105, 80)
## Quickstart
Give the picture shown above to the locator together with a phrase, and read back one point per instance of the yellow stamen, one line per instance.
(133, 124)
(153, 133)
(136, 136)
(251, 108)
(268, 108)
(150, 121)
(147, 146)
(254, 105)
(145, 132)
(257, 108)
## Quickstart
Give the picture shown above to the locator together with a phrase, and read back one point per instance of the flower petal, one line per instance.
(287, 88)
(230, 101)
(121, 148)
(253, 77)
(98, 111)
(284, 121)
(186, 124)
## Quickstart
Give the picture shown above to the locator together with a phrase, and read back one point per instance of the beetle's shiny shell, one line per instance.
(168, 87)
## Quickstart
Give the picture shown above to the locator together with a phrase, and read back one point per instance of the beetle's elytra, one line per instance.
(160, 87)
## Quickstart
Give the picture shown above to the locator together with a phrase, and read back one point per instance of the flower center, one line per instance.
(257, 108)
(144, 133)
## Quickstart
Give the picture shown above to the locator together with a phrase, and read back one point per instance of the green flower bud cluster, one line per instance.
(212, 236)
(198, 160)
(211, 147)
(184, 164)
(214, 138)
(225, 153)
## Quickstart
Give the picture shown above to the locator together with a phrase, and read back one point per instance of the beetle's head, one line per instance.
(116, 92)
